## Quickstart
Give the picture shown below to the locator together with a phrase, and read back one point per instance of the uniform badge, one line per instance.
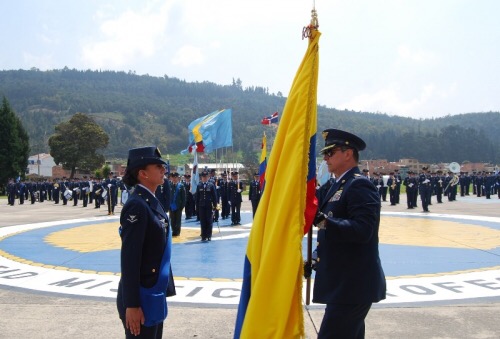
(330, 214)
(132, 218)
(336, 196)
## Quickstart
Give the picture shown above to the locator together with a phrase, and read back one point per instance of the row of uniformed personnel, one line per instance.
(86, 189)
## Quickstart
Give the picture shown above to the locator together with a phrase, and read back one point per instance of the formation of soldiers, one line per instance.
(436, 184)
(214, 198)
(87, 190)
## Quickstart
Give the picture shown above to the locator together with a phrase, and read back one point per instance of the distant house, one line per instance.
(40, 164)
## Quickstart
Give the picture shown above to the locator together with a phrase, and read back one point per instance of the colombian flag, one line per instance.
(263, 162)
(271, 298)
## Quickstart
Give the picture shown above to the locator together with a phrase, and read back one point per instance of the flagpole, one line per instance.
(309, 262)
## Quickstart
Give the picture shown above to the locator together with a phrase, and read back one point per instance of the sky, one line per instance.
(412, 58)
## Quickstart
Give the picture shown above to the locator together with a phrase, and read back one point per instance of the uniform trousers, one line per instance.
(206, 221)
(235, 212)
(175, 220)
(344, 321)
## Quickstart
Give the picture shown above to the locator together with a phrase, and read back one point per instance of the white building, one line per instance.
(41, 164)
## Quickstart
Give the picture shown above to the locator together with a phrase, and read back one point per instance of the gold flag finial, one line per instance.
(313, 25)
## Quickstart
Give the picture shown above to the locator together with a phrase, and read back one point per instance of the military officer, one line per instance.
(163, 193)
(206, 202)
(224, 197)
(349, 275)
(439, 186)
(391, 183)
(177, 203)
(146, 275)
(189, 208)
(399, 180)
(254, 193)
(235, 187)
(411, 188)
(424, 186)
(56, 193)
(214, 180)
(85, 189)
(11, 192)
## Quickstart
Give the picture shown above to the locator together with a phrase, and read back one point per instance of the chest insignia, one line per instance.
(336, 196)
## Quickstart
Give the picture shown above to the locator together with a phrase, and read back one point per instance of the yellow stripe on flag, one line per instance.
(275, 244)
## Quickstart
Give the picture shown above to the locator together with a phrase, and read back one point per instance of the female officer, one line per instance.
(146, 276)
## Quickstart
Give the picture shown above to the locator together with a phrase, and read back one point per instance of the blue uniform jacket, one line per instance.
(144, 232)
(348, 270)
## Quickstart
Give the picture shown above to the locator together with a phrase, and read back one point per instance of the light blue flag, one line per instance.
(211, 132)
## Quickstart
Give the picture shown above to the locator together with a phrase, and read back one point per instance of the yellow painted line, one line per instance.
(437, 233)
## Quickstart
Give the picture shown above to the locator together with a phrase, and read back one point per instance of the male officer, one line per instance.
(398, 184)
(177, 203)
(424, 185)
(254, 193)
(223, 183)
(235, 187)
(411, 187)
(85, 189)
(189, 208)
(206, 202)
(391, 183)
(349, 275)
(163, 193)
(56, 193)
(214, 180)
(439, 186)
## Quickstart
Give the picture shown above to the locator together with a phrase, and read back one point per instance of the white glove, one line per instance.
(109, 185)
(410, 185)
(239, 191)
(426, 181)
(378, 186)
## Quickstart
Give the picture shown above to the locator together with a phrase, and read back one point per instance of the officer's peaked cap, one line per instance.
(204, 173)
(142, 156)
(338, 138)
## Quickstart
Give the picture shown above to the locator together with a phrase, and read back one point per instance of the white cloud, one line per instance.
(390, 100)
(187, 56)
(132, 34)
(45, 61)
(421, 57)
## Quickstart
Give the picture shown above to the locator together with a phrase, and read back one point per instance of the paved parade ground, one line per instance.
(59, 269)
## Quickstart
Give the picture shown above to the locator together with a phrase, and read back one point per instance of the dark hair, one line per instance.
(130, 176)
(355, 153)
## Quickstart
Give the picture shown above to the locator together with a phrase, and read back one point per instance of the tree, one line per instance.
(14, 144)
(76, 142)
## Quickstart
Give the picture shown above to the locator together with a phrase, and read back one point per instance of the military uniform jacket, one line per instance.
(348, 270)
(144, 234)
(234, 196)
(206, 195)
(255, 192)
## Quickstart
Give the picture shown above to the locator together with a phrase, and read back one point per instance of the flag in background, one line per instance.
(271, 297)
(263, 162)
(212, 131)
(195, 177)
(272, 119)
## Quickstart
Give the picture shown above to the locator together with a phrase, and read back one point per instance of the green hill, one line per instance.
(141, 109)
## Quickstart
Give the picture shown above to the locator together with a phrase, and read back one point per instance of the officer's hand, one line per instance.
(320, 216)
(134, 318)
(307, 269)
